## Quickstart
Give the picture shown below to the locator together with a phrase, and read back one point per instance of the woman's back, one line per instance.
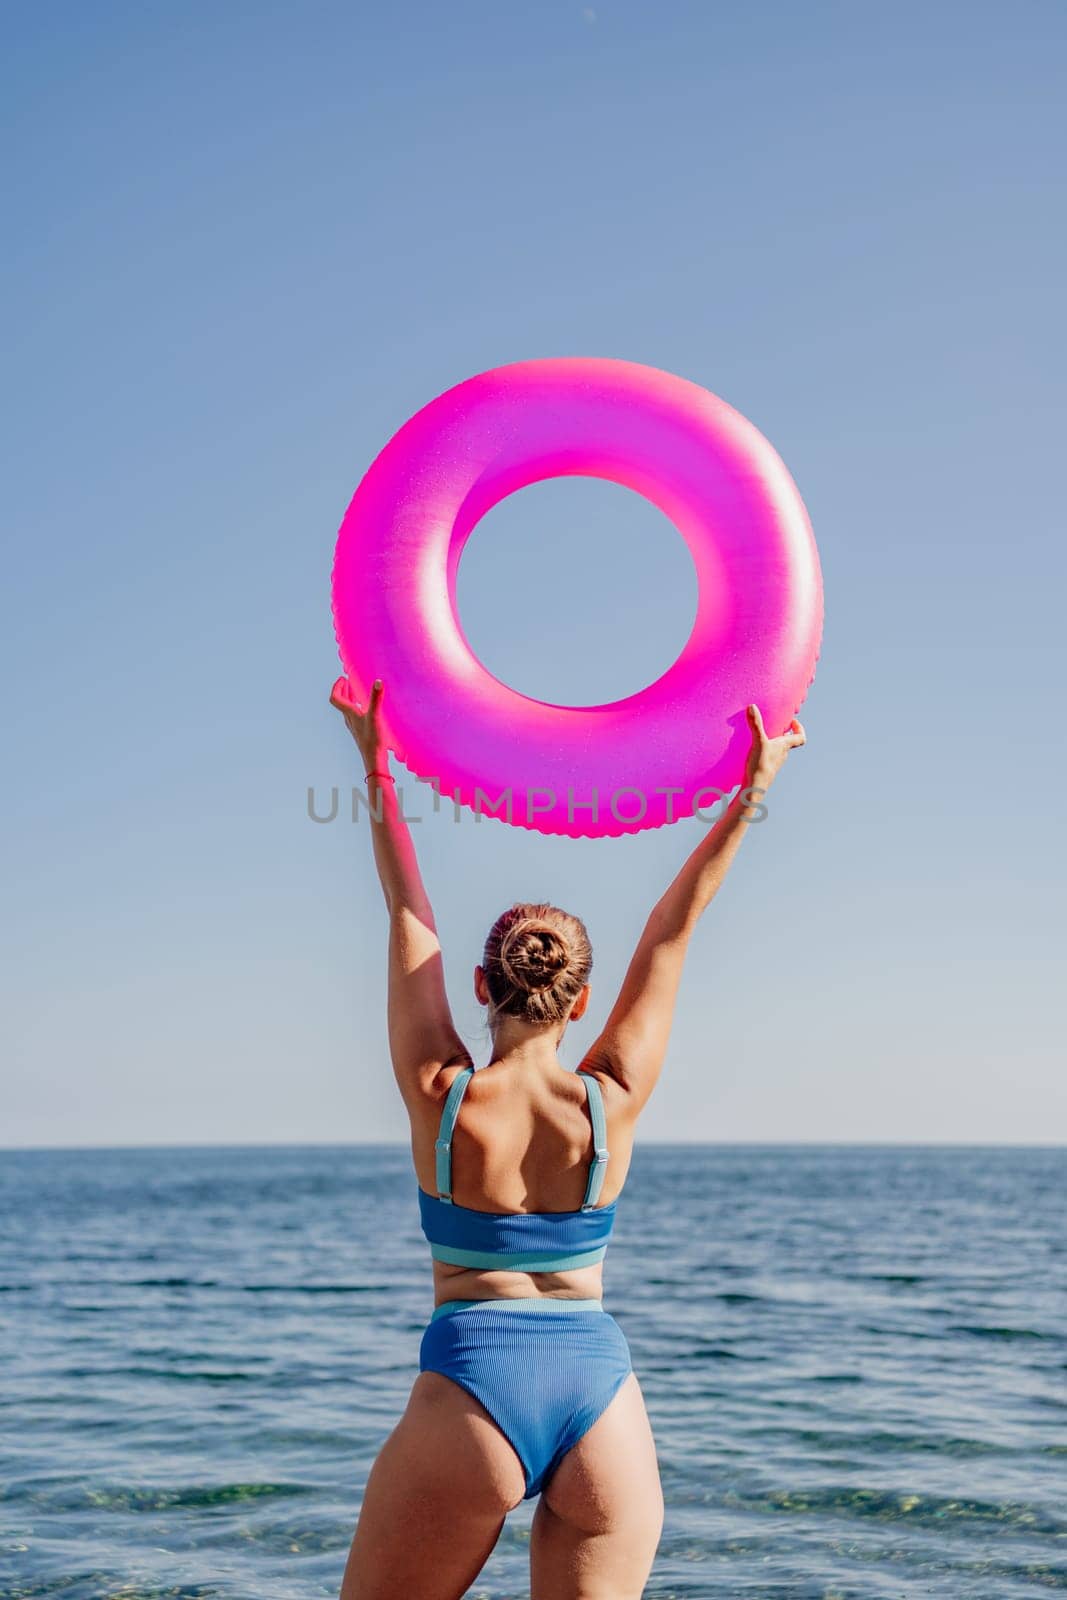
(523, 1138)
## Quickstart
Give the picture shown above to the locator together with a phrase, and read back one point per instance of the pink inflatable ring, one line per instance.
(586, 771)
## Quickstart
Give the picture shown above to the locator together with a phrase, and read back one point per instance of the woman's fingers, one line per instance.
(343, 696)
(755, 717)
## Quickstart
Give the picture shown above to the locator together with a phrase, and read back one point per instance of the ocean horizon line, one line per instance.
(403, 1144)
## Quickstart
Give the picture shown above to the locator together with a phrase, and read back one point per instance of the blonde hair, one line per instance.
(537, 960)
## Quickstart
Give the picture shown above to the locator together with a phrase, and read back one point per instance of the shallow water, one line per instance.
(855, 1362)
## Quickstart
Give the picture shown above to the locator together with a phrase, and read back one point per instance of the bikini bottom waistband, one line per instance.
(539, 1302)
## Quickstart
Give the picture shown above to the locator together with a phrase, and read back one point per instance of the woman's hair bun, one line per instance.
(534, 955)
(537, 960)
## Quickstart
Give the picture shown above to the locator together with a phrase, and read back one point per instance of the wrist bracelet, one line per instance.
(374, 773)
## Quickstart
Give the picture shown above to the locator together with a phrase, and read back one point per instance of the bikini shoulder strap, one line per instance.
(443, 1146)
(598, 1165)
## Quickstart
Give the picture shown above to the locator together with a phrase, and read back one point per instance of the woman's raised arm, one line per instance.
(633, 1044)
(422, 1035)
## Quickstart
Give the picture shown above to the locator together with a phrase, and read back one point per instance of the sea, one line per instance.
(854, 1360)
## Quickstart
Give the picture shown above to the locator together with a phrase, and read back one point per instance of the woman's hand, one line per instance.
(767, 756)
(364, 724)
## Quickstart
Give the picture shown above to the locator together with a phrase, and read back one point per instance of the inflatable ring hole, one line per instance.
(576, 591)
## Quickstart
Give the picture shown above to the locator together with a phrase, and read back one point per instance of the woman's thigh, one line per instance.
(598, 1523)
(435, 1501)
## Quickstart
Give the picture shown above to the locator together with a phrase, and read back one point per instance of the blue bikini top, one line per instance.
(520, 1241)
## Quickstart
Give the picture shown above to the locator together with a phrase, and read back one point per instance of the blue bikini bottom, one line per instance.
(544, 1369)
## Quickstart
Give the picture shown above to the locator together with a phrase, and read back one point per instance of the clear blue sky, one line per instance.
(244, 243)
